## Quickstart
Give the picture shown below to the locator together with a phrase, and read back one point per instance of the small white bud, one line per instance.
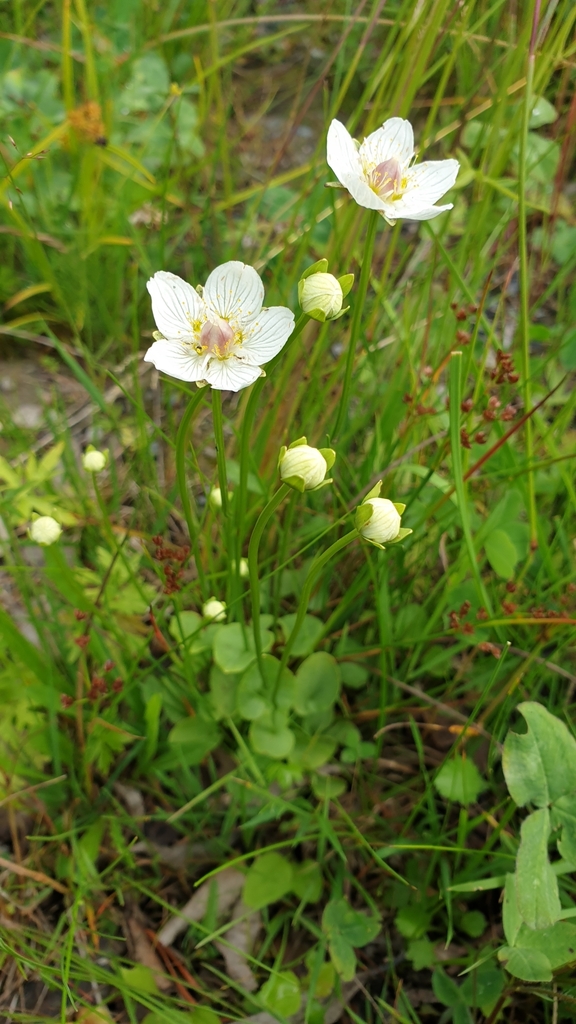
(45, 530)
(215, 610)
(323, 292)
(302, 467)
(215, 498)
(94, 461)
(384, 523)
(244, 571)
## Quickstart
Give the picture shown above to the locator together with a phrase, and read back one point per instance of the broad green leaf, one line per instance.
(501, 553)
(233, 646)
(269, 878)
(421, 954)
(413, 921)
(312, 752)
(459, 780)
(271, 736)
(446, 990)
(564, 813)
(317, 684)
(355, 926)
(540, 765)
(139, 979)
(482, 988)
(325, 979)
(328, 787)
(281, 993)
(558, 942)
(223, 690)
(343, 956)
(474, 923)
(536, 883)
(542, 112)
(197, 737)
(256, 696)
(307, 881)
(511, 919)
(354, 676)
(308, 635)
(526, 964)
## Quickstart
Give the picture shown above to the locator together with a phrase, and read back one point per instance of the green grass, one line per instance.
(204, 141)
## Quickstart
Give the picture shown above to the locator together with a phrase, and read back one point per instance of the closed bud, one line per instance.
(215, 610)
(93, 460)
(304, 467)
(45, 531)
(321, 295)
(378, 520)
(321, 292)
(215, 498)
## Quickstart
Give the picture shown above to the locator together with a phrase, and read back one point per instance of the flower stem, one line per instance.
(220, 449)
(525, 284)
(356, 319)
(245, 439)
(182, 441)
(318, 564)
(253, 548)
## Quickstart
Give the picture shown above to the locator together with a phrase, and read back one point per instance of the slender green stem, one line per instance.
(525, 293)
(357, 318)
(459, 485)
(318, 564)
(245, 439)
(189, 515)
(253, 548)
(220, 449)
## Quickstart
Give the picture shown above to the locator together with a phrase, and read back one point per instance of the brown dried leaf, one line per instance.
(229, 884)
(240, 940)
(141, 949)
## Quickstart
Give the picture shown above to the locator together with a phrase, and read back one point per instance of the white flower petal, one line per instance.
(360, 190)
(267, 335)
(341, 153)
(175, 304)
(230, 374)
(401, 210)
(395, 139)
(177, 360)
(235, 292)
(430, 180)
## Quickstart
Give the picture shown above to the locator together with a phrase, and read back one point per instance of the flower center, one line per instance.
(216, 337)
(386, 179)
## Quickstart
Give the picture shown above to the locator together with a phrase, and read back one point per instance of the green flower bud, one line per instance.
(378, 520)
(304, 467)
(323, 292)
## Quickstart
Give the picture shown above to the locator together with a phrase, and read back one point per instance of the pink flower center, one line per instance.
(217, 337)
(386, 178)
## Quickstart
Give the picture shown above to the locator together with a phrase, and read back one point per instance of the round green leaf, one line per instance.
(234, 648)
(308, 635)
(281, 993)
(526, 964)
(501, 553)
(268, 880)
(317, 684)
(276, 741)
(459, 780)
(307, 883)
(197, 736)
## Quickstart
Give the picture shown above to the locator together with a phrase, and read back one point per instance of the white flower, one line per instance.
(215, 610)
(45, 530)
(379, 173)
(220, 337)
(94, 461)
(323, 292)
(304, 467)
